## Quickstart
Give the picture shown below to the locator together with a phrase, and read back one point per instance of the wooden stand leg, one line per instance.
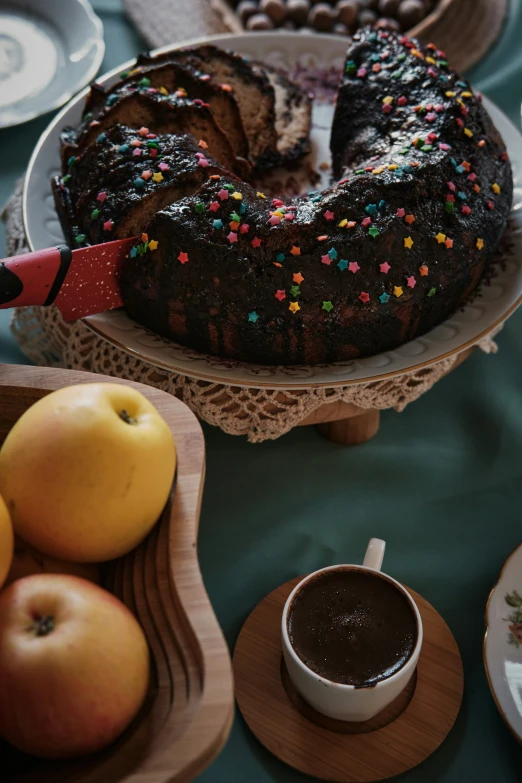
(352, 431)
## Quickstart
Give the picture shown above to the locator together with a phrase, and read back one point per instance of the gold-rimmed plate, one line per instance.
(503, 642)
(307, 58)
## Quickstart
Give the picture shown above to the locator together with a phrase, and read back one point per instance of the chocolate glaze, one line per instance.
(425, 193)
(352, 627)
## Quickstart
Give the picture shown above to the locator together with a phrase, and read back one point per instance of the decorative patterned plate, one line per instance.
(316, 61)
(503, 642)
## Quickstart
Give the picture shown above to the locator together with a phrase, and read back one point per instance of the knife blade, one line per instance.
(79, 282)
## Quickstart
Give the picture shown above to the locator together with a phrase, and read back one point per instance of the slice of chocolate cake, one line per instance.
(177, 115)
(111, 192)
(250, 87)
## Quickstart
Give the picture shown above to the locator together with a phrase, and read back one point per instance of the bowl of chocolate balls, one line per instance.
(341, 17)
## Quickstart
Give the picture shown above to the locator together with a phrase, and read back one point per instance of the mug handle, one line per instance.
(374, 554)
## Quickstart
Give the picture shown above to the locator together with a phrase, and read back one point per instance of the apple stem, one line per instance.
(43, 626)
(125, 415)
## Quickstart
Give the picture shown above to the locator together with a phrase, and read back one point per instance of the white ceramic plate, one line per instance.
(49, 49)
(306, 55)
(503, 642)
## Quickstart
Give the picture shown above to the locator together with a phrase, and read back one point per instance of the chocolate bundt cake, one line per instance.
(422, 193)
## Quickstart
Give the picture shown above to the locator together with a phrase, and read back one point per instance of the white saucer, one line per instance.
(49, 49)
(300, 55)
(503, 642)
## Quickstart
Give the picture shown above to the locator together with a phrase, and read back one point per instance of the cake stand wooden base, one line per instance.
(394, 741)
(349, 424)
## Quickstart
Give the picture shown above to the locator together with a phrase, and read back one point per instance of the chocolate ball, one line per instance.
(387, 23)
(410, 13)
(389, 8)
(321, 17)
(298, 10)
(260, 22)
(346, 11)
(274, 9)
(341, 29)
(366, 17)
(245, 10)
(371, 4)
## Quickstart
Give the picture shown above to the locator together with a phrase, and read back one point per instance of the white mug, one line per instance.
(337, 700)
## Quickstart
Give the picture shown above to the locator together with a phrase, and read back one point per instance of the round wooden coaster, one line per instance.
(396, 740)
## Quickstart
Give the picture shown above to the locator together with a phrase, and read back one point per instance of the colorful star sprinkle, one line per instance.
(440, 238)
(373, 232)
(408, 242)
(353, 266)
(364, 297)
(256, 242)
(397, 290)
(423, 270)
(101, 196)
(280, 294)
(217, 224)
(294, 307)
(153, 244)
(232, 237)
(328, 215)
(297, 277)
(183, 257)
(384, 298)
(222, 194)
(384, 268)
(158, 177)
(327, 306)
(295, 251)
(480, 244)
(409, 219)
(343, 264)
(326, 260)
(495, 188)
(107, 226)
(253, 317)
(411, 282)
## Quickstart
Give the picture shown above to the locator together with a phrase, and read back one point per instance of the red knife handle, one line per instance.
(33, 278)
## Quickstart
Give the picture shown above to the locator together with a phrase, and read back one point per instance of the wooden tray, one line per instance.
(189, 710)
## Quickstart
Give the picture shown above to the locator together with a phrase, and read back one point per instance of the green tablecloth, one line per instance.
(441, 483)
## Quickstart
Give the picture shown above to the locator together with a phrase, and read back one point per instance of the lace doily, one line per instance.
(260, 414)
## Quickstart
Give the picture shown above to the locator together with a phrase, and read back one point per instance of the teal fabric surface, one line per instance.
(441, 483)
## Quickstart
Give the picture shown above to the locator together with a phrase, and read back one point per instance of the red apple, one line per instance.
(74, 666)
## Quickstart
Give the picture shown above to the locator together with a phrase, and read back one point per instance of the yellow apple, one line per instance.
(27, 561)
(86, 471)
(74, 666)
(6, 542)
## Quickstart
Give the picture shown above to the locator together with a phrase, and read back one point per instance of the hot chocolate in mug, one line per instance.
(351, 638)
